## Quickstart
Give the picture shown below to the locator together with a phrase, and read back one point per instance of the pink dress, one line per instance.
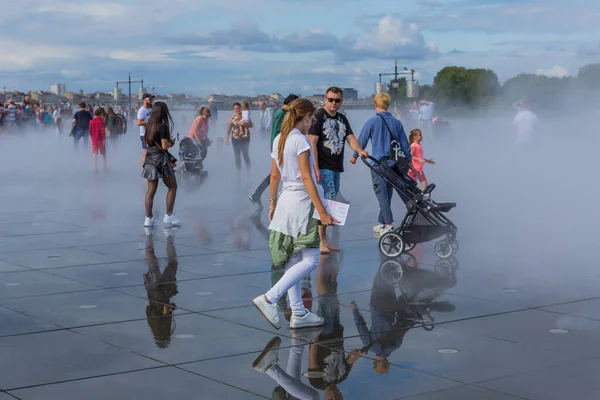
(417, 151)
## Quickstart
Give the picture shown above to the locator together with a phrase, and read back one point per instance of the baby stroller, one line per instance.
(192, 172)
(424, 220)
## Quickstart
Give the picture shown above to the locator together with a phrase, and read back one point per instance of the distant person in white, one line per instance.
(526, 122)
(266, 118)
(142, 118)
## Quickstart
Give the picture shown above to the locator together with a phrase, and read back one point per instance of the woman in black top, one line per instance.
(156, 165)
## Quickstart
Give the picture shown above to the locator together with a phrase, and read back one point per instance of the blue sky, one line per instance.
(303, 46)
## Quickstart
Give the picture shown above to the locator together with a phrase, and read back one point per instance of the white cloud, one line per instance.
(555, 72)
(391, 38)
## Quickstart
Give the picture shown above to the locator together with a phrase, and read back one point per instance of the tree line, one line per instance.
(475, 88)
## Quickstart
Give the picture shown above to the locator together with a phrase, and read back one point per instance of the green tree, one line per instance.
(589, 75)
(459, 86)
(539, 91)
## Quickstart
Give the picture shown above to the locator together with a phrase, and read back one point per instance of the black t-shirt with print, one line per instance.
(332, 132)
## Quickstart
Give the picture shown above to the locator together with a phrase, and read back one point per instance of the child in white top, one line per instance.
(246, 117)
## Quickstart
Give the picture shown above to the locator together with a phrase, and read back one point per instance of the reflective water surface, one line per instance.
(91, 302)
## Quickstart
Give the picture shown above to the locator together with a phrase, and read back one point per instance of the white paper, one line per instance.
(336, 209)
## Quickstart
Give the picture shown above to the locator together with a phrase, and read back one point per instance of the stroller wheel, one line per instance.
(454, 246)
(443, 267)
(408, 261)
(409, 246)
(391, 244)
(443, 249)
(391, 271)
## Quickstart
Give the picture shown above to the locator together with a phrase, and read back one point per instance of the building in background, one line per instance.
(59, 89)
(117, 94)
(350, 94)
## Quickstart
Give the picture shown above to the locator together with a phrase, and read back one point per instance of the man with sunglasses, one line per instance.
(328, 138)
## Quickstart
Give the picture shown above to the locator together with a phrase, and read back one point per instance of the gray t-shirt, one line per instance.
(143, 114)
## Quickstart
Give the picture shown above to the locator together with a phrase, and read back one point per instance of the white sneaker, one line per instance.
(268, 310)
(377, 228)
(305, 336)
(170, 232)
(148, 222)
(308, 320)
(268, 357)
(171, 220)
(386, 229)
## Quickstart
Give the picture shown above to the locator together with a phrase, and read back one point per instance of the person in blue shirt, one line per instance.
(383, 139)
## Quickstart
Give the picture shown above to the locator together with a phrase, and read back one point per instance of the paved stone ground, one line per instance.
(77, 320)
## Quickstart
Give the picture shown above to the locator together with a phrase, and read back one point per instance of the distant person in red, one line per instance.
(98, 136)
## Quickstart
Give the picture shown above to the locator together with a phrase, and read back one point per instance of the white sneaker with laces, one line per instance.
(268, 310)
(377, 228)
(148, 222)
(268, 357)
(171, 220)
(308, 320)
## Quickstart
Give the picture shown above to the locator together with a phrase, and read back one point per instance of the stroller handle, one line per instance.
(364, 159)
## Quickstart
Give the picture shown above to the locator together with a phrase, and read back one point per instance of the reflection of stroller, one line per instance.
(419, 288)
(192, 161)
(424, 219)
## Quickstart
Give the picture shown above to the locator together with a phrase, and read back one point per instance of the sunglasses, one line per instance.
(337, 101)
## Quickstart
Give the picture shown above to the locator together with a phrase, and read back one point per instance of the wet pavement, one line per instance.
(94, 306)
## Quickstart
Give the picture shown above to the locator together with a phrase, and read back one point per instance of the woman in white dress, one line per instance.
(294, 239)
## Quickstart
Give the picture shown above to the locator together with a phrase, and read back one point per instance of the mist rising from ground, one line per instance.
(536, 202)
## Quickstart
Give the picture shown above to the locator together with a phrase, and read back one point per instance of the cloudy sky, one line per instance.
(263, 46)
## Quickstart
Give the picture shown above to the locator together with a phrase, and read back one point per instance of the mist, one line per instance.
(533, 206)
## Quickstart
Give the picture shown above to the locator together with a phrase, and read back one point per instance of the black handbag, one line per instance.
(396, 153)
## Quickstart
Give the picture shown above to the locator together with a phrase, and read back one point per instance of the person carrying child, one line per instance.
(415, 138)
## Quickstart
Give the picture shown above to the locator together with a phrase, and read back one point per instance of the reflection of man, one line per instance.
(525, 121)
(426, 116)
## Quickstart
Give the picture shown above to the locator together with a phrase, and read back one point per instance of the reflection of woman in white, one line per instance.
(294, 240)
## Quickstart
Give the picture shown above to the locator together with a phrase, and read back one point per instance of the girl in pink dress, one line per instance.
(415, 138)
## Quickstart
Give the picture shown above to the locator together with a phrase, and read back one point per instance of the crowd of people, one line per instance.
(307, 160)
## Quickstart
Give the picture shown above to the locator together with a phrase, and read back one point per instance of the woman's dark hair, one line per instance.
(159, 116)
(288, 100)
(237, 104)
(109, 110)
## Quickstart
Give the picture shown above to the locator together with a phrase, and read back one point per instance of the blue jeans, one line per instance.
(383, 192)
(330, 182)
(81, 134)
(143, 139)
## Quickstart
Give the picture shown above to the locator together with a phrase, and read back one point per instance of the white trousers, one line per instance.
(290, 380)
(298, 266)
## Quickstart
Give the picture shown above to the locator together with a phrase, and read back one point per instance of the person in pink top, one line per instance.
(199, 130)
(415, 138)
